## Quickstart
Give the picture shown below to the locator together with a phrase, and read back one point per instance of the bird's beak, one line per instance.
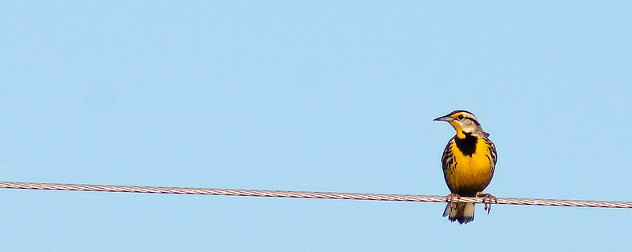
(444, 118)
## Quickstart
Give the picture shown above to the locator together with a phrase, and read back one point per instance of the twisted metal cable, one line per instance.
(306, 195)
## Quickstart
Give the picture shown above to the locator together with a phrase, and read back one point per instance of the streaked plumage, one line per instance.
(468, 163)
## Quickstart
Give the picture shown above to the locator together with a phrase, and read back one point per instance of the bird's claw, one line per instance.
(451, 198)
(488, 200)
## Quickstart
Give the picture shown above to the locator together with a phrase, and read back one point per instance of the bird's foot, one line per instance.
(487, 200)
(451, 198)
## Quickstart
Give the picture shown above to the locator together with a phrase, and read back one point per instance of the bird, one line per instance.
(468, 164)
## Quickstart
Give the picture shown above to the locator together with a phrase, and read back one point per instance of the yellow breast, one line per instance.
(470, 174)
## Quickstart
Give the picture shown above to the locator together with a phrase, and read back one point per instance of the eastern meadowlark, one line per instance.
(468, 163)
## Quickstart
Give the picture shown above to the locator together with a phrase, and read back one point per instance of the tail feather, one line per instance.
(462, 212)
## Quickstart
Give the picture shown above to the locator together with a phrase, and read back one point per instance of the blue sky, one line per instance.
(314, 96)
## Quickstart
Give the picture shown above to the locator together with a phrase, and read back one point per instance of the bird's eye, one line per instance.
(460, 117)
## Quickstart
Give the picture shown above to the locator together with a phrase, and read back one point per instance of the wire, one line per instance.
(306, 195)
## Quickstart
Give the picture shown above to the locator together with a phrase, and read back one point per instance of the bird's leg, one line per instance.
(487, 200)
(450, 198)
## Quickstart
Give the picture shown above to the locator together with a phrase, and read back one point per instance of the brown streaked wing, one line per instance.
(492, 150)
(448, 158)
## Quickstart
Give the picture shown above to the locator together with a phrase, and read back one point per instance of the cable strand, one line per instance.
(304, 195)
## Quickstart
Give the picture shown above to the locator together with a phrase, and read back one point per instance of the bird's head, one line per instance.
(464, 123)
